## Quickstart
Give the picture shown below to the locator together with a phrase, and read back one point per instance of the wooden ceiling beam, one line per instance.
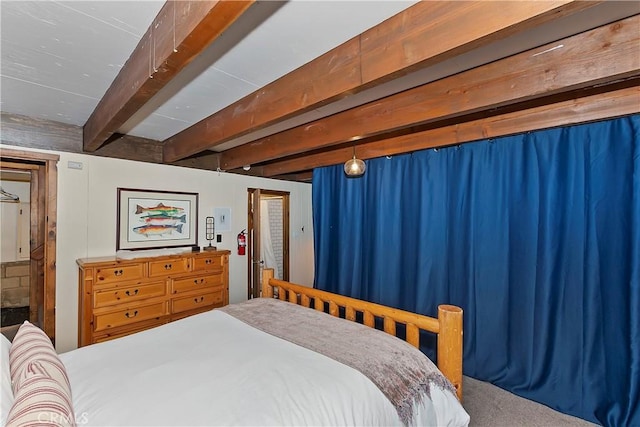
(180, 32)
(603, 55)
(602, 106)
(420, 36)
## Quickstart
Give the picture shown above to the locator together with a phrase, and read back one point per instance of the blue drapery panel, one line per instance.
(536, 236)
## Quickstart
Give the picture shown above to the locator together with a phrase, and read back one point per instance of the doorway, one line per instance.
(15, 270)
(42, 197)
(267, 236)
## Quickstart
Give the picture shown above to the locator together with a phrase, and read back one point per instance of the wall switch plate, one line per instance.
(218, 238)
(74, 165)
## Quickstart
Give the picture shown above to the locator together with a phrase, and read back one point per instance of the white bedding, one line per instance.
(212, 369)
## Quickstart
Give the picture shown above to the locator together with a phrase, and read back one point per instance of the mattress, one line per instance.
(213, 369)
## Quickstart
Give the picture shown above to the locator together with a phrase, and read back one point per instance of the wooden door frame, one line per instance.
(253, 290)
(43, 206)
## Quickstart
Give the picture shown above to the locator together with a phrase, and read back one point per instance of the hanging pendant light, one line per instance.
(354, 167)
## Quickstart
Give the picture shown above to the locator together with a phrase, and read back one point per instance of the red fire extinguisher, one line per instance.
(242, 242)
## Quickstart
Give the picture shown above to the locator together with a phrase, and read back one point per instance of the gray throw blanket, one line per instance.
(399, 370)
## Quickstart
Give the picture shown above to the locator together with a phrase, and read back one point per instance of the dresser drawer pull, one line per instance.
(117, 272)
(198, 281)
(135, 313)
(129, 293)
(208, 261)
(167, 266)
(198, 299)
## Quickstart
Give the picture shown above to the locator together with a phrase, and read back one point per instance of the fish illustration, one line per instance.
(163, 219)
(159, 210)
(157, 230)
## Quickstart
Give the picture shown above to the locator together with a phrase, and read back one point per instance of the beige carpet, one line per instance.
(491, 406)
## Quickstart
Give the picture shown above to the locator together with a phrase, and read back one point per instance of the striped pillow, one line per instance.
(31, 343)
(6, 388)
(43, 397)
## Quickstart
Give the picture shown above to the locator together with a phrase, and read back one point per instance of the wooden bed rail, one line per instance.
(448, 325)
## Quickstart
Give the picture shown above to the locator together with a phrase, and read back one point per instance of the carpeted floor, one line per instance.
(491, 406)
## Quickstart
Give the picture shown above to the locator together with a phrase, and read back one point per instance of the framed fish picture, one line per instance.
(150, 219)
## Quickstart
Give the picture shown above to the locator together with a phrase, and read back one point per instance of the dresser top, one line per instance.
(114, 259)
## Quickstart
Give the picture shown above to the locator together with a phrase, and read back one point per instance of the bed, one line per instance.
(263, 362)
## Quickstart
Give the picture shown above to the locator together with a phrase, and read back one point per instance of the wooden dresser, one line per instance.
(117, 297)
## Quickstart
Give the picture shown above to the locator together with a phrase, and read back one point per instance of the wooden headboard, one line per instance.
(448, 324)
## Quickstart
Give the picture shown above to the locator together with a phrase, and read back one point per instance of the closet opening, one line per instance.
(28, 219)
(15, 270)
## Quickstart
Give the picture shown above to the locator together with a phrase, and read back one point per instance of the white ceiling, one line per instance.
(59, 57)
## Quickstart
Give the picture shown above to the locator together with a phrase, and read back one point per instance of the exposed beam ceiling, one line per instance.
(180, 32)
(413, 39)
(435, 73)
(566, 65)
(616, 103)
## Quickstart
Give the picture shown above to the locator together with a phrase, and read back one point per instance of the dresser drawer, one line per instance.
(200, 282)
(214, 299)
(119, 273)
(128, 293)
(214, 262)
(168, 267)
(129, 315)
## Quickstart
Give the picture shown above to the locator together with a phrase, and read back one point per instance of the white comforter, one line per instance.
(212, 369)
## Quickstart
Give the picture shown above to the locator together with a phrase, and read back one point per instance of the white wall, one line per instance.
(12, 224)
(87, 221)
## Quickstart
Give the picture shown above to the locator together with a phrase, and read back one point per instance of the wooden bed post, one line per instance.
(450, 345)
(267, 290)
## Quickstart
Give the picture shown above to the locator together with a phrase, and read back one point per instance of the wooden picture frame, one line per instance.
(152, 219)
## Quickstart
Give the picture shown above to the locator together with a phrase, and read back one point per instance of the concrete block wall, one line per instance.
(14, 283)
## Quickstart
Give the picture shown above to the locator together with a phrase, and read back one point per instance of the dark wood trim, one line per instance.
(253, 243)
(51, 233)
(254, 197)
(249, 247)
(180, 32)
(391, 49)
(8, 154)
(37, 253)
(44, 207)
(286, 235)
(603, 55)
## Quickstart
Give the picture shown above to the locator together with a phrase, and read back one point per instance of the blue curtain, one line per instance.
(536, 236)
